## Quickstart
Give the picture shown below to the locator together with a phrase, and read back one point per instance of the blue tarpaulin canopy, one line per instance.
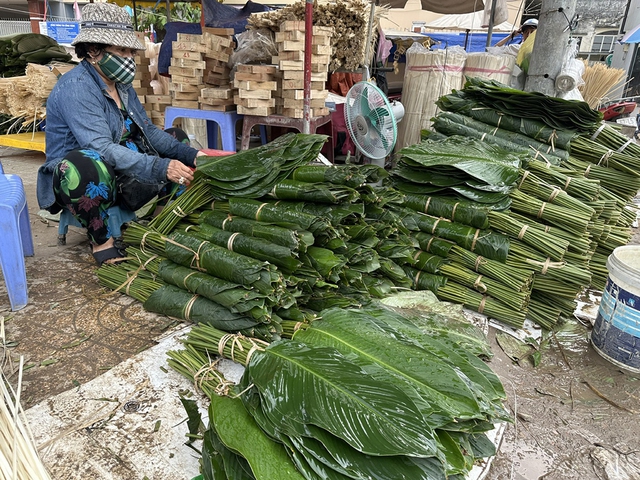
(632, 36)
(475, 42)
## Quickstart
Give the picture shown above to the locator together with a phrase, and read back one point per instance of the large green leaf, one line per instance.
(240, 433)
(474, 368)
(308, 469)
(405, 363)
(487, 163)
(302, 385)
(457, 461)
(482, 447)
(221, 463)
(340, 456)
(440, 320)
(212, 463)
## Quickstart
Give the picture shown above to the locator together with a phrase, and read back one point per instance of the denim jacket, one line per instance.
(81, 114)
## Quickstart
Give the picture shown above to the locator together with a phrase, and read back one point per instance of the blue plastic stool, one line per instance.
(117, 217)
(226, 120)
(15, 238)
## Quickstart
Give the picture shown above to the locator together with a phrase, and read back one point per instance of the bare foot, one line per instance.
(107, 253)
(106, 245)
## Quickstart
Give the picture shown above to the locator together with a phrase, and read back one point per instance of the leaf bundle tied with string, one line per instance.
(298, 240)
(313, 192)
(278, 213)
(487, 243)
(554, 112)
(253, 247)
(173, 301)
(201, 255)
(252, 173)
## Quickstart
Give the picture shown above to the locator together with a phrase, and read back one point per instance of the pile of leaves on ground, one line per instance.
(368, 393)
(263, 244)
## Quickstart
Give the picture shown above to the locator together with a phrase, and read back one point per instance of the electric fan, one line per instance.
(372, 121)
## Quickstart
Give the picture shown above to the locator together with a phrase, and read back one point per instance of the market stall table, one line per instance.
(25, 141)
(285, 122)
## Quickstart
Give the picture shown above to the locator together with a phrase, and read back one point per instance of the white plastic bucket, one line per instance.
(616, 333)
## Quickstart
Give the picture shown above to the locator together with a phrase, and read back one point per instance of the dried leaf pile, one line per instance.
(349, 19)
(24, 97)
(21, 103)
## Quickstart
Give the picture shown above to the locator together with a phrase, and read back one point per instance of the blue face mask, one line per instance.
(118, 69)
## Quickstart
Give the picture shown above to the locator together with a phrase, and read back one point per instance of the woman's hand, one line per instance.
(199, 154)
(179, 173)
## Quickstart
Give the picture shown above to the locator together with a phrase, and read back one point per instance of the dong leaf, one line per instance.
(404, 363)
(212, 462)
(341, 457)
(300, 384)
(486, 163)
(240, 433)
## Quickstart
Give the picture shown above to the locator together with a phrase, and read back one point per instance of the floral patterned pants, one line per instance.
(86, 186)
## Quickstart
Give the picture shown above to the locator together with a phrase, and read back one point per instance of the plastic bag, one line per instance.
(524, 54)
(518, 78)
(254, 46)
(501, 13)
(570, 76)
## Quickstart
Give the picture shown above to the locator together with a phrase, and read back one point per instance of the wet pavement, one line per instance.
(576, 415)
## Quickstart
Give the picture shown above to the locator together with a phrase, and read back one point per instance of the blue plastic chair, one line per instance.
(226, 120)
(15, 238)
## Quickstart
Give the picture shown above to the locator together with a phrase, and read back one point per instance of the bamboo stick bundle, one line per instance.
(599, 80)
(349, 19)
(444, 73)
(413, 97)
(428, 75)
(19, 458)
(489, 66)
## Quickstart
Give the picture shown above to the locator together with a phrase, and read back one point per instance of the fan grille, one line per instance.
(370, 120)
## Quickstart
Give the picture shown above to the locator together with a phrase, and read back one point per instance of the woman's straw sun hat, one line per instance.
(109, 24)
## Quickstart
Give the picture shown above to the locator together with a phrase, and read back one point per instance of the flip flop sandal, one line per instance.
(103, 256)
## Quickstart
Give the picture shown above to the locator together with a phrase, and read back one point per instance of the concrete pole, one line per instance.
(550, 46)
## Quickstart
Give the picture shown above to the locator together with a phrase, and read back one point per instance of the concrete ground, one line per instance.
(575, 414)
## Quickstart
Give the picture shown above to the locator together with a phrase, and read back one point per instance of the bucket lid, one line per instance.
(624, 263)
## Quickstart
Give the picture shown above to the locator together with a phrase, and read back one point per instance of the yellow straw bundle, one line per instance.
(5, 84)
(599, 81)
(21, 103)
(40, 80)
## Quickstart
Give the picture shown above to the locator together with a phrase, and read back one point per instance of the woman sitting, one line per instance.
(102, 148)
